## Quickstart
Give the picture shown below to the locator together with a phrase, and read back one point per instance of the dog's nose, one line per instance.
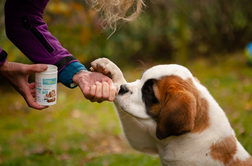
(123, 89)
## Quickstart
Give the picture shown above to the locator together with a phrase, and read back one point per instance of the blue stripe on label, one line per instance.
(49, 81)
(250, 48)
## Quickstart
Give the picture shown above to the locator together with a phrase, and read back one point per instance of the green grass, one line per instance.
(72, 132)
(76, 132)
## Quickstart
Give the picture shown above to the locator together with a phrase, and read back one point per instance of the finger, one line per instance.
(36, 68)
(104, 94)
(92, 90)
(33, 93)
(85, 90)
(31, 103)
(112, 92)
(37, 106)
(89, 92)
(98, 93)
(105, 90)
(32, 89)
(32, 85)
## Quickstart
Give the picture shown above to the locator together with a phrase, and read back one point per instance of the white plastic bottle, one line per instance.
(46, 86)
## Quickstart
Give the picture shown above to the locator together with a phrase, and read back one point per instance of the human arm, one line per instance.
(27, 30)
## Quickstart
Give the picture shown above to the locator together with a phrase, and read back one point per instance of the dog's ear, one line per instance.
(177, 115)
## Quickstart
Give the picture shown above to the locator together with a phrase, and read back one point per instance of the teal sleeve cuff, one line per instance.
(66, 75)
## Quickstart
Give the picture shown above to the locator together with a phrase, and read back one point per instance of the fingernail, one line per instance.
(44, 67)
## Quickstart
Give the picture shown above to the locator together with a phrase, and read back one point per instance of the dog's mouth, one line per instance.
(136, 115)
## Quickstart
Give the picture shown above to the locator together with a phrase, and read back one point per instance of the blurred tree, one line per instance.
(167, 29)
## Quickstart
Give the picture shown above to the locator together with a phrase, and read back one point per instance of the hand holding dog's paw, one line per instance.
(108, 68)
(95, 86)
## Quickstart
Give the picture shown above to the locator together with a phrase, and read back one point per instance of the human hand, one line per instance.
(95, 86)
(17, 75)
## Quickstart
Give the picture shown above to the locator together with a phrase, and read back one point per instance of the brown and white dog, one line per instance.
(169, 113)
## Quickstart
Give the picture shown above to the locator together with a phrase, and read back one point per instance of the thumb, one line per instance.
(36, 68)
(31, 103)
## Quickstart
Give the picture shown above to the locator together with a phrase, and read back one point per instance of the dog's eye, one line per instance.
(148, 87)
(148, 93)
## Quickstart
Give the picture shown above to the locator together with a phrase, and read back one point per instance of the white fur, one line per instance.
(139, 128)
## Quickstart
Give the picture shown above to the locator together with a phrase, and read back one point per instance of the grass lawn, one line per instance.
(76, 132)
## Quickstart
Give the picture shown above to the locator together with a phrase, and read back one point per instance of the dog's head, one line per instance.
(166, 95)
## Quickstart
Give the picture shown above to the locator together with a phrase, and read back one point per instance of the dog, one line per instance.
(168, 112)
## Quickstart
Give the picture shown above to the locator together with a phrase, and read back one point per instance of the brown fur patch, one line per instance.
(202, 118)
(247, 162)
(168, 89)
(224, 150)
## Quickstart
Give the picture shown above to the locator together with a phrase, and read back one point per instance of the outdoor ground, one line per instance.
(76, 132)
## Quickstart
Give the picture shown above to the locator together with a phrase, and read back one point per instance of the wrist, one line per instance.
(66, 75)
(4, 66)
(77, 76)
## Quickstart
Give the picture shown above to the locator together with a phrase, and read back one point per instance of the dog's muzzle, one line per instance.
(123, 89)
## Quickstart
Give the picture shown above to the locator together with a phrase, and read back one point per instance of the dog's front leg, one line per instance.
(136, 133)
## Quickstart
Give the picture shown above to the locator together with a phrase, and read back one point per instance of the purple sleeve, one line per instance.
(27, 30)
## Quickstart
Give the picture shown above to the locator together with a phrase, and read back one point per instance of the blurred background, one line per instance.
(206, 36)
(167, 29)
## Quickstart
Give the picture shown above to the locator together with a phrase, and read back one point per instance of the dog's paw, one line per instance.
(108, 68)
(102, 65)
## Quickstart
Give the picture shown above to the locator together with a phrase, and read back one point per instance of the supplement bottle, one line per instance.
(46, 86)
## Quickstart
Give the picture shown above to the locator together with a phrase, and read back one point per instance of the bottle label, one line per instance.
(46, 91)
